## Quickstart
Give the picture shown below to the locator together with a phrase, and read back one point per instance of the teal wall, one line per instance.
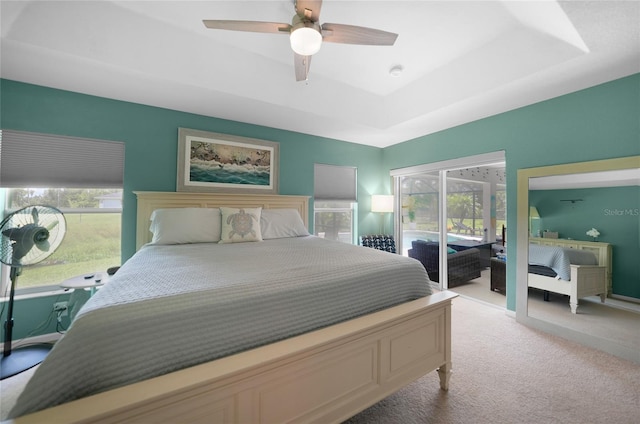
(33, 316)
(150, 135)
(614, 212)
(598, 123)
(601, 122)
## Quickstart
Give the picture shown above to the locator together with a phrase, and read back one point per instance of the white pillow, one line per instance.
(282, 223)
(185, 225)
(240, 225)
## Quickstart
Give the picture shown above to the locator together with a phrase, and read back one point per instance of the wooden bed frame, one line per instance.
(324, 376)
(586, 280)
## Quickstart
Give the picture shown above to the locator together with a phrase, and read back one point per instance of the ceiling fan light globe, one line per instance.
(305, 41)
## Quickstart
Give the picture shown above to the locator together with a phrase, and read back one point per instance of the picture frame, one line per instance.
(215, 162)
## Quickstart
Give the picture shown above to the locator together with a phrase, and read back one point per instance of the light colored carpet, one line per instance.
(503, 372)
(615, 321)
(613, 324)
(480, 289)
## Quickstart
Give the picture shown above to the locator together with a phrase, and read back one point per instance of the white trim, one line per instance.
(443, 269)
(485, 159)
(67, 211)
(625, 298)
(35, 292)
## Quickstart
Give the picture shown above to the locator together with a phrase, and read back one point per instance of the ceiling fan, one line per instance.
(306, 34)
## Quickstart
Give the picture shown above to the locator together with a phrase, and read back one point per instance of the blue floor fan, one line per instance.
(28, 236)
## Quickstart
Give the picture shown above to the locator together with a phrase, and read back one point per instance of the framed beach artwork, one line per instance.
(216, 162)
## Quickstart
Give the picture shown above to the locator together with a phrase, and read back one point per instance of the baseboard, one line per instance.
(625, 298)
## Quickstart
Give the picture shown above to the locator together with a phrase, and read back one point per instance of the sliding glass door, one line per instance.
(465, 208)
(448, 204)
(419, 196)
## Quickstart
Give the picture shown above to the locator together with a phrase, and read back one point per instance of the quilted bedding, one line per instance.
(560, 259)
(171, 307)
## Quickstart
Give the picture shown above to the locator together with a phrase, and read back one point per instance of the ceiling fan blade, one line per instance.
(351, 34)
(302, 65)
(249, 26)
(309, 9)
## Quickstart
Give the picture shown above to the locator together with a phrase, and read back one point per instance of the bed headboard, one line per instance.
(148, 201)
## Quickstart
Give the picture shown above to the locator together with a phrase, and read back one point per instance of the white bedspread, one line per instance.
(171, 307)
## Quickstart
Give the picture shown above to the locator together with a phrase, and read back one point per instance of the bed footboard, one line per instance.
(324, 376)
(586, 280)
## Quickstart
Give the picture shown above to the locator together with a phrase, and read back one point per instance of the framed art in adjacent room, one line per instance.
(215, 162)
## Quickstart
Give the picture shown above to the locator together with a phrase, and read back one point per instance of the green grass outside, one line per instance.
(91, 243)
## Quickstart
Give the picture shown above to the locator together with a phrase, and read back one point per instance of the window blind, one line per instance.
(337, 183)
(41, 160)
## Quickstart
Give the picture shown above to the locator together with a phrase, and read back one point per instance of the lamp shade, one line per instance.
(533, 212)
(382, 203)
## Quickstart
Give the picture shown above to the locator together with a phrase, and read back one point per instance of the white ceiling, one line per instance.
(462, 60)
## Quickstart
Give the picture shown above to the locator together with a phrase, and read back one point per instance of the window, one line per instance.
(81, 177)
(92, 239)
(334, 202)
(333, 220)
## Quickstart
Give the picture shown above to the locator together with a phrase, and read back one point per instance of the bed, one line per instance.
(346, 356)
(572, 272)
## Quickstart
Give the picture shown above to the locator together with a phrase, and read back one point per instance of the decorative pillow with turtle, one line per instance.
(240, 225)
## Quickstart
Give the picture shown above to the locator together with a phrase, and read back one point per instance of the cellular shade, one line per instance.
(43, 160)
(337, 183)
